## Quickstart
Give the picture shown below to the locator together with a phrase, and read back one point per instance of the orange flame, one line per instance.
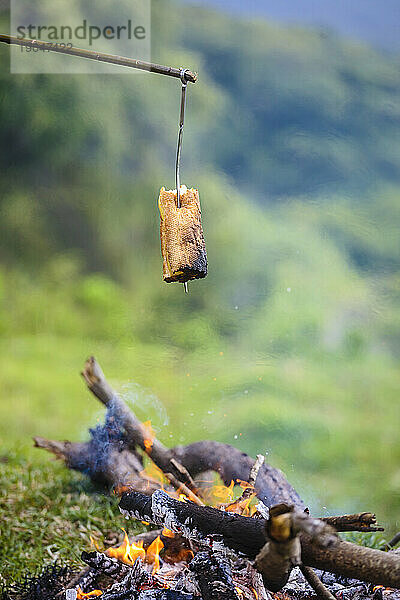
(81, 595)
(255, 593)
(242, 507)
(168, 533)
(127, 552)
(151, 471)
(149, 436)
(153, 553)
(94, 543)
(223, 493)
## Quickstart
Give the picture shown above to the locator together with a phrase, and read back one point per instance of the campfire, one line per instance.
(246, 537)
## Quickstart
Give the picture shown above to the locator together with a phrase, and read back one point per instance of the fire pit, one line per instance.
(257, 544)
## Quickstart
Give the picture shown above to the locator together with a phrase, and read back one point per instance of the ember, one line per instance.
(149, 436)
(81, 595)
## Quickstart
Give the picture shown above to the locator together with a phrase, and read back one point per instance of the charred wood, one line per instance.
(196, 522)
(130, 584)
(164, 595)
(246, 535)
(214, 576)
(106, 565)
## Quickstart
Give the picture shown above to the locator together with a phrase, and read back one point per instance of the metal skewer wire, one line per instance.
(179, 148)
(185, 75)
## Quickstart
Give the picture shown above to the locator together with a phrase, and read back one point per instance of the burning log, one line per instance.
(246, 536)
(271, 486)
(106, 565)
(185, 462)
(195, 522)
(133, 581)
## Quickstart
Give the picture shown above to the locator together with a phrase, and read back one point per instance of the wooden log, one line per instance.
(358, 562)
(184, 462)
(114, 468)
(106, 565)
(136, 432)
(246, 535)
(196, 522)
(271, 486)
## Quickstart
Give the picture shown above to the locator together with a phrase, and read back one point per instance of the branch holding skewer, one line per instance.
(113, 59)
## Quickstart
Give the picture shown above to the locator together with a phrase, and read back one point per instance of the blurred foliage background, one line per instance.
(291, 345)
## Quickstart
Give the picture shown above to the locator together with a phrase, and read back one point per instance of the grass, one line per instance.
(49, 514)
(330, 424)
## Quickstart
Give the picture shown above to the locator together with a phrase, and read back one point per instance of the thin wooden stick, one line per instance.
(183, 489)
(393, 542)
(312, 579)
(364, 521)
(113, 59)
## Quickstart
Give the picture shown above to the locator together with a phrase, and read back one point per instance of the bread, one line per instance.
(182, 241)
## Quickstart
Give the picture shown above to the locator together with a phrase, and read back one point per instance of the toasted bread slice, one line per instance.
(182, 241)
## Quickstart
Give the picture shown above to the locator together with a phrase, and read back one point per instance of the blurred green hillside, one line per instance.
(291, 345)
